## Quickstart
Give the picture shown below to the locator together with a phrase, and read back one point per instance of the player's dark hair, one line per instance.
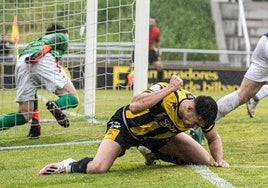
(206, 107)
(56, 28)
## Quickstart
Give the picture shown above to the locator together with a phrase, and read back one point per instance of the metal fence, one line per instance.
(123, 50)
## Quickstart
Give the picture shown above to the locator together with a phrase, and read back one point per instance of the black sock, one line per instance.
(169, 158)
(80, 166)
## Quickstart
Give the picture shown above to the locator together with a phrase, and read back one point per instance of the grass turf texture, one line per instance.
(245, 148)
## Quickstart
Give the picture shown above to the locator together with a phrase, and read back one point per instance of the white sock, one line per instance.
(226, 104)
(263, 92)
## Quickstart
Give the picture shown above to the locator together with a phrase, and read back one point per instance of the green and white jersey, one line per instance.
(58, 42)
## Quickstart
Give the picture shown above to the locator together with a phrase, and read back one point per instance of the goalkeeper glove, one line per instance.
(34, 58)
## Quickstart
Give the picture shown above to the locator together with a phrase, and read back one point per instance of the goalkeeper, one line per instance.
(38, 65)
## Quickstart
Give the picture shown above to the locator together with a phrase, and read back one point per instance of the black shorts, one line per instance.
(117, 131)
(152, 57)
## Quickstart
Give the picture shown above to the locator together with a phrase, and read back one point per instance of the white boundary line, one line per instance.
(91, 120)
(203, 170)
(200, 169)
(210, 176)
(48, 145)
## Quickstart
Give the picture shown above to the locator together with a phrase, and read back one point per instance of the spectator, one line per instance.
(154, 56)
(5, 46)
(154, 41)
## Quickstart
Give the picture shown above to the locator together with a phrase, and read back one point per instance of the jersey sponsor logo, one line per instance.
(160, 116)
(164, 121)
(112, 134)
(167, 124)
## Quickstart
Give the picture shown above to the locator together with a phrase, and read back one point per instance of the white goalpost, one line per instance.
(102, 36)
(90, 58)
(141, 52)
(141, 48)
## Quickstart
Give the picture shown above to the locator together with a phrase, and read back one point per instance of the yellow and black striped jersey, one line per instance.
(162, 120)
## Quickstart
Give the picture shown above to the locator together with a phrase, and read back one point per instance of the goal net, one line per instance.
(101, 41)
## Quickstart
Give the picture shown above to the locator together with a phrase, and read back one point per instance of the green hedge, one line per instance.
(183, 23)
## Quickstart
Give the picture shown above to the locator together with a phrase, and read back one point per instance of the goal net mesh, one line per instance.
(115, 27)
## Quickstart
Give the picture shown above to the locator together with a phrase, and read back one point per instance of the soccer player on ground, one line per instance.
(156, 119)
(254, 79)
(253, 102)
(38, 65)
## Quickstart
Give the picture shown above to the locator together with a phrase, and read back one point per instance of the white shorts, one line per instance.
(29, 77)
(258, 70)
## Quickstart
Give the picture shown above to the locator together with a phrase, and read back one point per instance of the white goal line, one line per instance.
(213, 178)
(49, 145)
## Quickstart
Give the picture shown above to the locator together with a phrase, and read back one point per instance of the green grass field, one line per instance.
(245, 148)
